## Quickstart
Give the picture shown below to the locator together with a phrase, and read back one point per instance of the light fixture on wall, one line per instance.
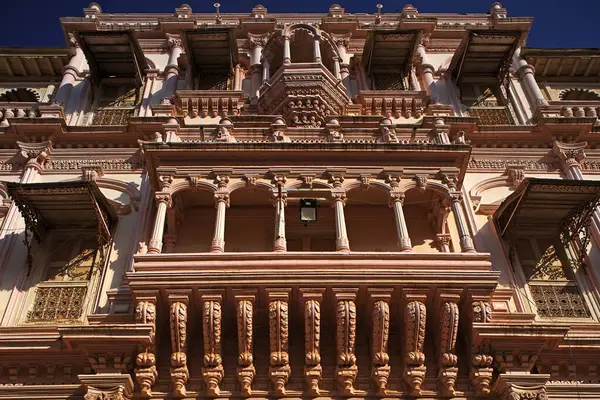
(308, 210)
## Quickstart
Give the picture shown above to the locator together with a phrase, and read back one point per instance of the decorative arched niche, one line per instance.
(487, 195)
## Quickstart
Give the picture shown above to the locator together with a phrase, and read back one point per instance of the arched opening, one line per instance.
(190, 222)
(318, 235)
(20, 95)
(579, 94)
(370, 220)
(302, 45)
(425, 217)
(249, 221)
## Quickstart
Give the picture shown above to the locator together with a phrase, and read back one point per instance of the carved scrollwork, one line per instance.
(415, 315)
(212, 372)
(146, 373)
(179, 370)
(482, 312)
(380, 358)
(312, 335)
(279, 362)
(346, 370)
(246, 371)
(447, 347)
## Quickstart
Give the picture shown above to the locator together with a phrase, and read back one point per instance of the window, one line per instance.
(115, 104)
(213, 80)
(388, 81)
(487, 102)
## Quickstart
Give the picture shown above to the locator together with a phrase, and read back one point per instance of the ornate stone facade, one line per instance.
(213, 205)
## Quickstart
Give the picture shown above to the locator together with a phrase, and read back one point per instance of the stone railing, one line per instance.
(571, 109)
(9, 110)
(392, 103)
(208, 103)
(58, 302)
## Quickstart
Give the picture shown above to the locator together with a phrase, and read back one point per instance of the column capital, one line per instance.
(257, 40)
(36, 154)
(336, 176)
(455, 197)
(164, 197)
(338, 196)
(396, 196)
(569, 154)
(174, 40)
(221, 197)
(515, 386)
(107, 386)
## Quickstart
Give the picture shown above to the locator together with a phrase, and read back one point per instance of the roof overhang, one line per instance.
(75, 205)
(387, 50)
(212, 49)
(32, 63)
(545, 205)
(485, 54)
(565, 63)
(113, 54)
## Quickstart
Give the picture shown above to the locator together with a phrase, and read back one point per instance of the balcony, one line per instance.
(111, 116)
(393, 103)
(194, 105)
(9, 110)
(304, 93)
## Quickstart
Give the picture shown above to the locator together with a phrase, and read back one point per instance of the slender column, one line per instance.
(380, 370)
(336, 68)
(466, 242)
(163, 200)
(221, 203)
(265, 69)
(257, 44)
(426, 70)
(345, 77)
(146, 373)
(70, 74)
(178, 304)
(279, 359)
(338, 199)
(525, 72)
(396, 201)
(287, 52)
(312, 338)
(346, 370)
(280, 202)
(317, 49)
(172, 69)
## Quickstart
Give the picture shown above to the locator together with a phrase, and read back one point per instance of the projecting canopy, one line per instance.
(113, 54)
(211, 49)
(546, 205)
(485, 54)
(389, 51)
(69, 205)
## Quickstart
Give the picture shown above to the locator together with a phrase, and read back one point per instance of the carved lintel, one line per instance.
(245, 308)
(146, 373)
(178, 315)
(312, 339)
(415, 317)
(107, 386)
(380, 370)
(212, 370)
(521, 386)
(279, 360)
(447, 316)
(346, 369)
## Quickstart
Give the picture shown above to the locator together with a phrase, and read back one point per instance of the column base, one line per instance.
(312, 377)
(405, 245)
(217, 246)
(155, 246)
(280, 245)
(245, 377)
(342, 244)
(466, 244)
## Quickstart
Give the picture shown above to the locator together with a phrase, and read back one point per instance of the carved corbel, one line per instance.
(421, 181)
(212, 370)
(307, 180)
(333, 129)
(415, 317)
(221, 177)
(91, 172)
(146, 373)
(178, 304)
(393, 178)
(107, 386)
(245, 309)
(278, 128)
(514, 175)
(570, 155)
(346, 369)
(365, 181)
(312, 339)
(479, 311)
(447, 317)
(279, 360)
(388, 131)
(380, 370)
(250, 179)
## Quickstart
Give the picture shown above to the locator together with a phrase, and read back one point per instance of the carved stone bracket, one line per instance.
(312, 339)
(212, 371)
(380, 371)
(415, 317)
(447, 316)
(279, 360)
(245, 309)
(107, 386)
(521, 386)
(178, 304)
(480, 374)
(346, 369)
(35, 154)
(146, 373)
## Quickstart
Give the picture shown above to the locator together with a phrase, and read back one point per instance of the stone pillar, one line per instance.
(466, 242)
(338, 202)
(280, 202)
(342, 42)
(172, 69)
(426, 70)
(336, 68)
(163, 201)
(178, 316)
(345, 77)
(525, 72)
(317, 49)
(257, 44)
(287, 52)
(396, 201)
(107, 386)
(221, 203)
(70, 74)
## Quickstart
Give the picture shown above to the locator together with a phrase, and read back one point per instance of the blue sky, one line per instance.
(557, 23)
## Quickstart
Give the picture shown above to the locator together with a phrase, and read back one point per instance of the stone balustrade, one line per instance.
(571, 109)
(16, 110)
(208, 103)
(395, 104)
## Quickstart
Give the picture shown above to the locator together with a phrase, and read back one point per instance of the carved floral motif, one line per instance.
(380, 358)
(279, 367)
(447, 352)
(246, 371)
(414, 358)
(346, 370)
(212, 372)
(179, 371)
(146, 373)
(312, 335)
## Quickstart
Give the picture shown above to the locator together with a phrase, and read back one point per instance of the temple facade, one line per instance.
(335, 205)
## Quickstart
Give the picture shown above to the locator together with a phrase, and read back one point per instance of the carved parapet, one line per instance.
(212, 370)
(415, 317)
(178, 304)
(312, 339)
(380, 371)
(447, 317)
(279, 360)
(146, 373)
(208, 103)
(9, 111)
(246, 372)
(346, 369)
(392, 104)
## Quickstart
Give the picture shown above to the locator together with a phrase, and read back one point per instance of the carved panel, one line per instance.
(60, 303)
(346, 370)
(415, 316)
(559, 301)
(279, 362)
(146, 373)
(179, 370)
(246, 371)
(212, 372)
(312, 341)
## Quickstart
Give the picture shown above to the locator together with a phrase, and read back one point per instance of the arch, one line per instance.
(477, 191)
(150, 63)
(578, 94)
(315, 183)
(357, 184)
(431, 185)
(20, 95)
(184, 185)
(260, 184)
